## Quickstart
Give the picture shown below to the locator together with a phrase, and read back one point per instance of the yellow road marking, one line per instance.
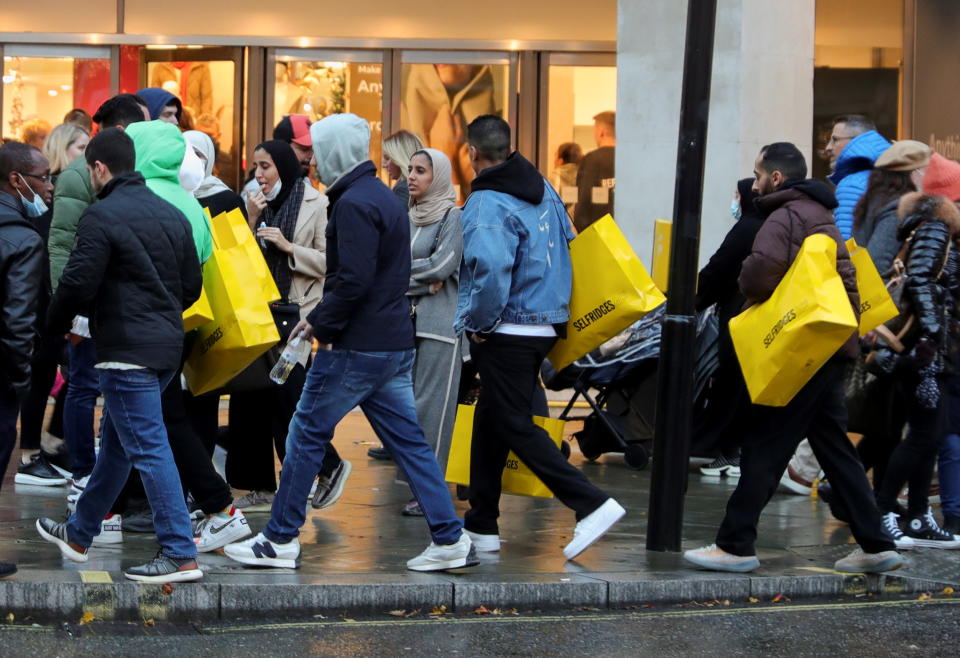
(95, 577)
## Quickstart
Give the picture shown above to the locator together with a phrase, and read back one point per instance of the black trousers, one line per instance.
(722, 426)
(819, 413)
(259, 421)
(913, 458)
(43, 372)
(508, 368)
(9, 409)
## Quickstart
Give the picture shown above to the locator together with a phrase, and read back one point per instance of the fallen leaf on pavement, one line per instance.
(167, 589)
(753, 599)
(948, 591)
(439, 610)
(86, 618)
(397, 613)
(149, 622)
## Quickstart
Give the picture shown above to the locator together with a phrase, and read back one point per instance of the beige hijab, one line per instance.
(439, 197)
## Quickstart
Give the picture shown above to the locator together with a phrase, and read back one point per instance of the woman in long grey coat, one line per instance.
(436, 248)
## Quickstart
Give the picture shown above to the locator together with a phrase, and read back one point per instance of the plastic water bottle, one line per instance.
(288, 359)
(263, 244)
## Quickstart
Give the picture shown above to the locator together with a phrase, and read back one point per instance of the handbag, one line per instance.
(256, 376)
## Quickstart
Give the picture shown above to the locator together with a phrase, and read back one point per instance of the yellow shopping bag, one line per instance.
(242, 327)
(199, 314)
(611, 291)
(517, 478)
(230, 230)
(876, 304)
(784, 341)
(662, 234)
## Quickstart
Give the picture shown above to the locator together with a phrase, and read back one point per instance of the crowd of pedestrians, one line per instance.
(103, 242)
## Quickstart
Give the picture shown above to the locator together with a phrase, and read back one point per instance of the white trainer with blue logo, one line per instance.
(261, 552)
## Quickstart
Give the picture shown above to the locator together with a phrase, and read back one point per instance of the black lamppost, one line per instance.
(675, 378)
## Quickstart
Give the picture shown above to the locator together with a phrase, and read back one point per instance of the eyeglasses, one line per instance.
(43, 179)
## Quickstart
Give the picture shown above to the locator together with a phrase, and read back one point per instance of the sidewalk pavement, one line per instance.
(354, 557)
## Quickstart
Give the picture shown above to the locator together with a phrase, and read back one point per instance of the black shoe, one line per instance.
(138, 521)
(60, 460)
(330, 487)
(951, 524)
(926, 532)
(463, 492)
(380, 453)
(39, 472)
(7, 569)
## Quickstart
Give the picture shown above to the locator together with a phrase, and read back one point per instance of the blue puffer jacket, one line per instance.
(851, 174)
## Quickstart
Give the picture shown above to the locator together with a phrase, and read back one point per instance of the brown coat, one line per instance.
(792, 215)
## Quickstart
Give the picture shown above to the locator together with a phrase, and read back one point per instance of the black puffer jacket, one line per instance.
(21, 274)
(135, 264)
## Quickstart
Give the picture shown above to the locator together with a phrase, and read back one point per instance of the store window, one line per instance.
(41, 84)
(321, 83)
(581, 133)
(441, 93)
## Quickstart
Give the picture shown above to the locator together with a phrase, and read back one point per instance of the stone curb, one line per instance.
(50, 600)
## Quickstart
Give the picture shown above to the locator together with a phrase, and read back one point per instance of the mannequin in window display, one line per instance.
(192, 82)
(440, 100)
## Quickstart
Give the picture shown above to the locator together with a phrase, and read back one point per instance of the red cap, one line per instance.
(294, 128)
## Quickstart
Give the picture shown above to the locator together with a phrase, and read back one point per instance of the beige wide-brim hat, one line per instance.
(905, 155)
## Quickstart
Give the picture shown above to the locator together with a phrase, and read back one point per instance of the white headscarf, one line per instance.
(201, 142)
(440, 195)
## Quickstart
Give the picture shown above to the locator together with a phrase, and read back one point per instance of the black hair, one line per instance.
(114, 148)
(16, 156)
(785, 158)
(570, 152)
(424, 154)
(490, 135)
(120, 110)
(857, 123)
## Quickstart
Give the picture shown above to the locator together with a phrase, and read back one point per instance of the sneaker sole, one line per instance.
(794, 487)
(723, 566)
(64, 547)
(334, 494)
(26, 478)
(68, 475)
(459, 563)
(108, 538)
(260, 507)
(254, 561)
(891, 564)
(225, 537)
(948, 545)
(573, 550)
(176, 577)
(723, 471)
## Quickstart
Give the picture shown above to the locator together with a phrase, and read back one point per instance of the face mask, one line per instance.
(735, 209)
(272, 194)
(33, 208)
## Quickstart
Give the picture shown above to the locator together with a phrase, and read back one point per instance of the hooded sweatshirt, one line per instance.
(157, 99)
(339, 145)
(160, 148)
(851, 174)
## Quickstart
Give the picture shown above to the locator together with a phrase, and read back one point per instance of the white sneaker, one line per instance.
(218, 530)
(484, 543)
(261, 552)
(716, 559)
(592, 527)
(77, 486)
(442, 557)
(111, 531)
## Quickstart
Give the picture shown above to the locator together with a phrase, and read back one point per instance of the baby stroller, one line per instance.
(623, 372)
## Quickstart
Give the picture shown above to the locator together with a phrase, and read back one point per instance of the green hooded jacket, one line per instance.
(160, 148)
(71, 196)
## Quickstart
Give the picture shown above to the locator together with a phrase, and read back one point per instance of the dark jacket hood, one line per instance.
(157, 99)
(515, 176)
(797, 189)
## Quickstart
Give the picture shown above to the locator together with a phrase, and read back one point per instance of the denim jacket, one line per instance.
(516, 263)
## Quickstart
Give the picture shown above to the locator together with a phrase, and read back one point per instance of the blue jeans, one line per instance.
(950, 475)
(381, 383)
(83, 387)
(134, 436)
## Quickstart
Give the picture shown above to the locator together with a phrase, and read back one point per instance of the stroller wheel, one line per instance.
(565, 450)
(636, 456)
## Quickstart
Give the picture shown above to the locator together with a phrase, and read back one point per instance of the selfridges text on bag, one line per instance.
(784, 341)
(876, 304)
(611, 290)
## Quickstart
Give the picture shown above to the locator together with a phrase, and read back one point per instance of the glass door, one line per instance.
(442, 92)
(578, 131)
(208, 80)
(41, 84)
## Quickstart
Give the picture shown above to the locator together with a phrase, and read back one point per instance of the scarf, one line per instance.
(440, 195)
(282, 212)
(203, 146)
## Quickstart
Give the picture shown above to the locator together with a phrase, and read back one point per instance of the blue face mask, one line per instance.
(33, 208)
(735, 209)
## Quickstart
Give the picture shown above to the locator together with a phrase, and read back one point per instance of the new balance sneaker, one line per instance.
(261, 552)
(891, 528)
(861, 562)
(255, 501)
(56, 533)
(592, 527)
(164, 569)
(438, 557)
(925, 532)
(111, 531)
(218, 530)
(722, 466)
(793, 482)
(484, 543)
(330, 488)
(714, 558)
(39, 472)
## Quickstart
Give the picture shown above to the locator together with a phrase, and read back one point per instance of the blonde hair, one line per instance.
(400, 147)
(58, 142)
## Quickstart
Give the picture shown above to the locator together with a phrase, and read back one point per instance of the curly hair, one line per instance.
(883, 187)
